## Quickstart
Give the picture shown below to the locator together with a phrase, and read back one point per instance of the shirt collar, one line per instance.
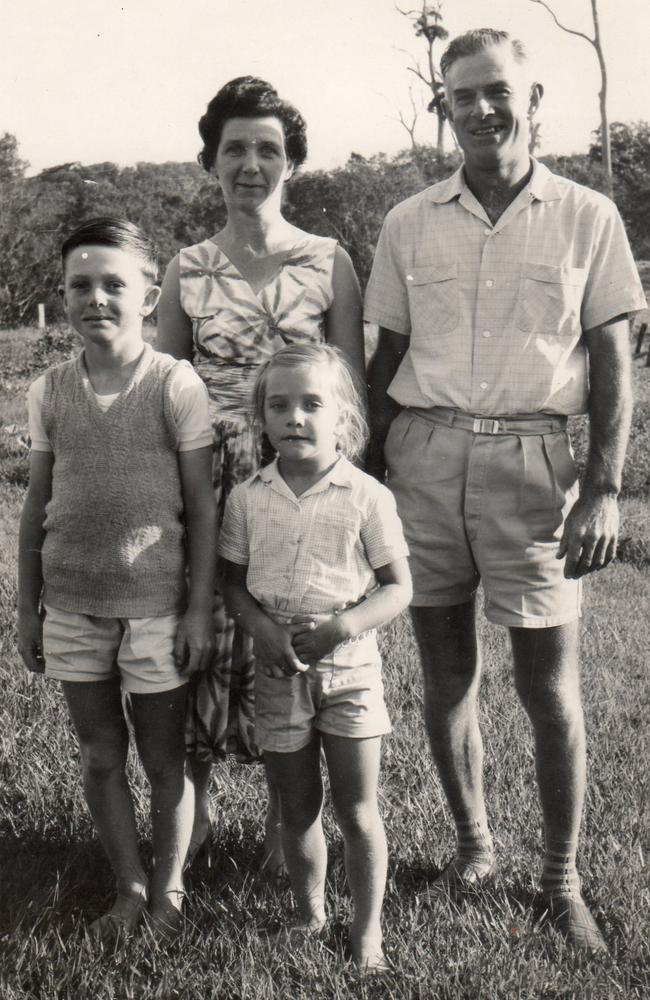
(542, 185)
(339, 475)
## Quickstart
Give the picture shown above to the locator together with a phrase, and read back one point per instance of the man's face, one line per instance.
(489, 98)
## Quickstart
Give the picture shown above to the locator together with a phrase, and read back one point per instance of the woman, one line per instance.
(228, 304)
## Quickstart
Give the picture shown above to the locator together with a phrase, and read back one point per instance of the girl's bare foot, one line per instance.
(368, 954)
(122, 918)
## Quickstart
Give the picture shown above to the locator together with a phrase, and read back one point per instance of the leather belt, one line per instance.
(535, 423)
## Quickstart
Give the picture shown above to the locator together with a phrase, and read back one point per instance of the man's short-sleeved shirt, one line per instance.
(495, 313)
(315, 553)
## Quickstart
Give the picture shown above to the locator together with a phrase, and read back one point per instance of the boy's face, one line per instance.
(105, 293)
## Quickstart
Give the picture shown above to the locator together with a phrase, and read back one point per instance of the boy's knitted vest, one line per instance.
(114, 542)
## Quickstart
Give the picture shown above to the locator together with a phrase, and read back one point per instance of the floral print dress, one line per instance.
(234, 331)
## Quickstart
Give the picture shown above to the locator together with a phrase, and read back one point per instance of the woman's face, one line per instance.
(251, 162)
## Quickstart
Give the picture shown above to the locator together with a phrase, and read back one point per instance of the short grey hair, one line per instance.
(472, 42)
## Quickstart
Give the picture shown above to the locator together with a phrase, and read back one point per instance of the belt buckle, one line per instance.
(485, 425)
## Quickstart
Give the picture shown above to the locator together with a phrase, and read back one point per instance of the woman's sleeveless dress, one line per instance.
(235, 330)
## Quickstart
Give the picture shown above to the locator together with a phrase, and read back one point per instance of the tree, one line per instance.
(630, 151)
(596, 42)
(427, 24)
(12, 168)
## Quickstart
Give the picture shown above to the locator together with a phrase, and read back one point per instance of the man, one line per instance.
(502, 296)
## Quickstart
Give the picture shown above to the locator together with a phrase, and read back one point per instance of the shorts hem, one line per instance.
(441, 601)
(357, 736)
(549, 621)
(97, 678)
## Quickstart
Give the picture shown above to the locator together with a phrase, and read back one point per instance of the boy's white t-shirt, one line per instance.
(188, 399)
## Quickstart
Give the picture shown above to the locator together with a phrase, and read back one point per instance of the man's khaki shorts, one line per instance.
(488, 507)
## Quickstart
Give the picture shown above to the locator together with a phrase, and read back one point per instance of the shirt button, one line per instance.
(487, 232)
(486, 333)
(489, 283)
(484, 385)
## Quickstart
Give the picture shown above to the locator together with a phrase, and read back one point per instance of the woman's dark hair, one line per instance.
(110, 231)
(250, 97)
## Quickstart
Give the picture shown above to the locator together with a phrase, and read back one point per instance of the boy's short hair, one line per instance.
(111, 231)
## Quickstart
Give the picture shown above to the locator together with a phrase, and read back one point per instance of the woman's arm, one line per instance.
(194, 645)
(343, 322)
(174, 325)
(392, 596)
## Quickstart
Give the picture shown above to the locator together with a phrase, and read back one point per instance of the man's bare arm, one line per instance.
(591, 530)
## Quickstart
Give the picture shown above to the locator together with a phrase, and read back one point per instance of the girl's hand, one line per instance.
(30, 641)
(315, 636)
(195, 642)
(274, 651)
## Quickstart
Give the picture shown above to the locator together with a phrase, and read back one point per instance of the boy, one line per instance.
(119, 507)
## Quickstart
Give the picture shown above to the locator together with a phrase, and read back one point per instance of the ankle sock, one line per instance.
(559, 873)
(474, 842)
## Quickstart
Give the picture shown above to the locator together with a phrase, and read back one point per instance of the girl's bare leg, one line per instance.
(353, 766)
(297, 778)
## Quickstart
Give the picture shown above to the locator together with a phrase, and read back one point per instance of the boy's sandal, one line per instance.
(460, 877)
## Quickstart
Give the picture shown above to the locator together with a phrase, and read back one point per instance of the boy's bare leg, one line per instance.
(298, 780)
(159, 722)
(353, 766)
(96, 712)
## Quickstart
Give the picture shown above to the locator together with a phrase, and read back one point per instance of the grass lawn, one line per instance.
(54, 878)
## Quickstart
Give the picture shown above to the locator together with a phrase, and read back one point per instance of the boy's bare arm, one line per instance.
(272, 642)
(322, 633)
(30, 572)
(195, 638)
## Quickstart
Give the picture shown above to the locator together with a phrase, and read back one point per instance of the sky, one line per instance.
(127, 80)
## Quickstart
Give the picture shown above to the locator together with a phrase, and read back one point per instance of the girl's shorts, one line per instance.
(329, 697)
(87, 648)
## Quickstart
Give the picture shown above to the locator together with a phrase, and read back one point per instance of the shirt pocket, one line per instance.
(550, 298)
(332, 544)
(433, 297)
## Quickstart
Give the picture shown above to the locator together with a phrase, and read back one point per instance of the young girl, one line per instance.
(314, 560)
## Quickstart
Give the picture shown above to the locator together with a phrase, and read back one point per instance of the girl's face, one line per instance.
(251, 162)
(302, 415)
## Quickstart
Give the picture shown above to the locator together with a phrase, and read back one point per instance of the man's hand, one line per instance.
(274, 651)
(195, 642)
(315, 636)
(590, 535)
(30, 640)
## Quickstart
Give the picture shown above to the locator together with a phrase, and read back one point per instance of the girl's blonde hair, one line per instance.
(353, 435)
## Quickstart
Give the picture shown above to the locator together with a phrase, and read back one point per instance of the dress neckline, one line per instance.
(258, 294)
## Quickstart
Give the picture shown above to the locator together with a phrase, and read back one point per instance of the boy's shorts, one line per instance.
(88, 648)
(329, 697)
(486, 506)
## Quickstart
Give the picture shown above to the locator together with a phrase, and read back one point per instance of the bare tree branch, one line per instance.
(570, 31)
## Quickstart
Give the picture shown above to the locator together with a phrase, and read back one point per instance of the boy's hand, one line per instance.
(274, 651)
(195, 642)
(315, 636)
(30, 641)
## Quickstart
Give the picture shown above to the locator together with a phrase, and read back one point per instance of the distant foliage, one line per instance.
(179, 204)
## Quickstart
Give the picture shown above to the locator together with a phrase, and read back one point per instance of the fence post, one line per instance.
(41, 316)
